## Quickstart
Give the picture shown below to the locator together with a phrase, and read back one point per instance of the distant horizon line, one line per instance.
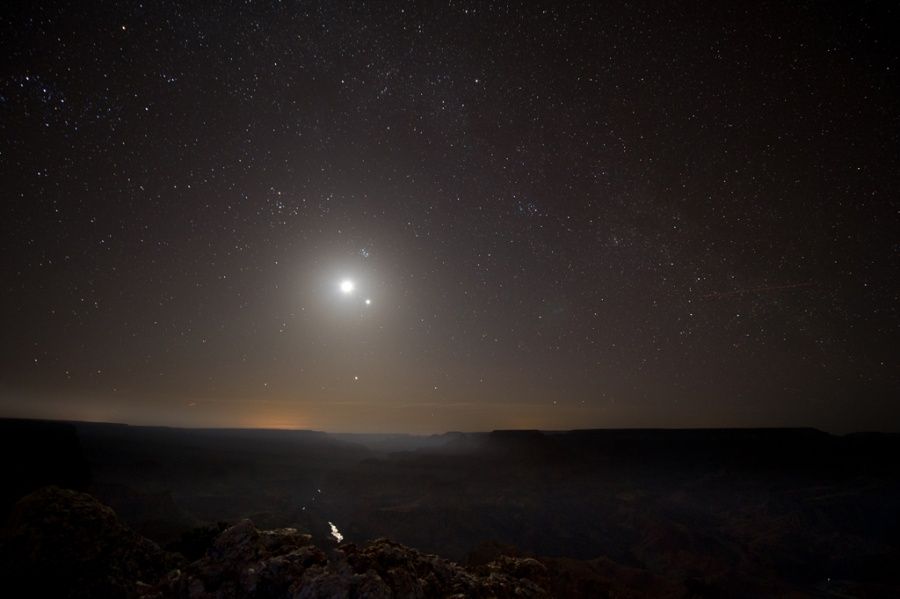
(450, 432)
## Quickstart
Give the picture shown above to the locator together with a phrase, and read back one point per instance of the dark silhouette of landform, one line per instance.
(105, 510)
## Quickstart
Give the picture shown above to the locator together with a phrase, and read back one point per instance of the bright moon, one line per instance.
(347, 286)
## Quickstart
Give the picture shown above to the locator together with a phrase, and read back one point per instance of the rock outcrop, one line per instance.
(246, 562)
(63, 543)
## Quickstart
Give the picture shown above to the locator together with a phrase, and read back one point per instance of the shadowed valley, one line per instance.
(619, 512)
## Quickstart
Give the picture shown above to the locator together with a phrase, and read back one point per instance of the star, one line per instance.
(594, 253)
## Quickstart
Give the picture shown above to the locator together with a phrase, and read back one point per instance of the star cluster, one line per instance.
(458, 215)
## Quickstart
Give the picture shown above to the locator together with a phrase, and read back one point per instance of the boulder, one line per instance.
(63, 543)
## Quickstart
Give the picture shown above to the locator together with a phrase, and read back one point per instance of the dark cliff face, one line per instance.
(246, 562)
(738, 513)
(64, 543)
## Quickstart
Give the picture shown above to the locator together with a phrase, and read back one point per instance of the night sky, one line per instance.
(562, 217)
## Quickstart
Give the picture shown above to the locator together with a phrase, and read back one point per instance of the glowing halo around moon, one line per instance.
(347, 286)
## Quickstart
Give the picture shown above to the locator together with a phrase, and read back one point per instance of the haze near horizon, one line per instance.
(380, 218)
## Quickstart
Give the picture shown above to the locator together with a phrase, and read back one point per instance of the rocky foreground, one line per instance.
(63, 543)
